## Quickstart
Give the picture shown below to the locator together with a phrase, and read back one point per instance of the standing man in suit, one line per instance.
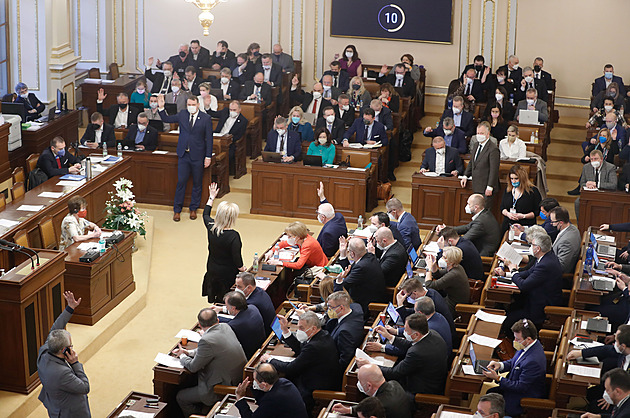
(484, 165)
(257, 89)
(98, 132)
(284, 142)
(400, 79)
(32, 105)
(405, 222)
(463, 120)
(512, 71)
(602, 83)
(141, 137)
(382, 114)
(194, 149)
(121, 115)
(484, 230)
(232, 122)
(331, 93)
(568, 242)
(391, 255)
(276, 397)
(199, 55)
(333, 224)
(64, 383)
(343, 111)
(345, 326)
(316, 366)
(310, 102)
(471, 260)
(217, 360)
(599, 174)
(55, 161)
(272, 72)
(391, 394)
(162, 80)
(529, 82)
(222, 57)
(230, 88)
(527, 369)
(341, 79)
(442, 159)
(364, 279)
(245, 283)
(247, 323)
(531, 102)
(367, 130)
(453, 137)
(282, 59)
(332, 124)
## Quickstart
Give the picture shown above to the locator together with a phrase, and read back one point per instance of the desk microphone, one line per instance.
(16, 249)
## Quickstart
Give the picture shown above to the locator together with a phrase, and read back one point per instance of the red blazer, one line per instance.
(311, 254)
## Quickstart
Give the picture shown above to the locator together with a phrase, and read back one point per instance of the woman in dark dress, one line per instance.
(521, 200)
(498, 127)
(224, 249)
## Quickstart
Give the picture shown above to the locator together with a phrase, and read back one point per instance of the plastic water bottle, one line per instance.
(588, 263)
(101, 245)
(536, 137)
(532, 138)
(512, 98)
(119, 147)
(360, 222)
(104, 149)
(255, 263)
(276, 252)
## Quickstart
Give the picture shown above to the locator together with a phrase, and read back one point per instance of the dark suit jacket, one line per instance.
(338, 128)
(112, 112)
(305, 100)
(526, 378)
(423, 368)
(484, 232)
(203, 58)
(471, 261)
(227, 60)
(605, 354)
(485, 169)
(48, 163)
(477, 90)
(540, 87)
(479, 74)
(492, 85)
(408, 88)
(343, 78)
(108, 136)
(393, 263)
(458, 140)
(179, 66)
(248, 89)
(249, 329)
(329, 235)
(507, 109)
(408, 228)
(282, 401)
(516, 76)
(234, 89)
(194, 88)
(294, 146)
(238, 128)
(262, 301)
(452, 161)
(348, 334)
(467, 123)
(600, 84)
(438, 323)
(395, 400)
(385, 117)
(247, 75)
(546, 77)
(347, 117)
(619, 412)
(150, 140)
(275, 76)
(199, 140)
(622, 136)
(316, 365)
(624, 178)
(157, 79)
(32, 102)
(441, 306)
(365, 281)
(378, 132)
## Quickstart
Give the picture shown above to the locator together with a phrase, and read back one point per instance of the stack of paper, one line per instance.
(360, 354)
(70, 183)
(51, 195)
(488, 317)
(431, 248)
(581, 344)
(189, 334)
(485, 341)
(508, 253)
(584, 371)
(263, 284)
(31, 208)
(168, 361)
(283, 358)
(431, 174)
(8, 223)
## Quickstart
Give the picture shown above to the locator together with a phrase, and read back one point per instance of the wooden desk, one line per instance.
(604, 207)
(493, 296)
(278, 280)
(102, 284)
(582, 292)
(5, 165)
(30, 301)
(226, 408)
(124, 84)
(139, 401)
(324, 413)
(566, 413)
(290, 189)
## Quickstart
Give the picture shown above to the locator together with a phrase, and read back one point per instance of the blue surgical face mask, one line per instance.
(608, 75)
(602, 139)
(516, 183)
(543, 216)
(61, 152)
(295, 119)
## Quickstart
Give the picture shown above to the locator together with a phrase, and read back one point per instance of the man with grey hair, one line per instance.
(512, 71)
(316, 366)
(532, 101)
(364, 279)
(180, 61)
(141, 136)
(285, 142)
(530, 82)
(391, 255)
(331, 93)
(540, 285)
(491, 405)
(453, 136)
(230, 88)
(64, 383)
(283, 59)
(334, 224)
(484, 165)
(405, 222)
(345, 325)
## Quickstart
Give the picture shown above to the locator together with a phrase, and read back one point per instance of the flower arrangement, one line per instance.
(122, 213)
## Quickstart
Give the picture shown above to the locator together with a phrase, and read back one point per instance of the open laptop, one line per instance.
(9, 108)
(218, 93)
(314, 160)
(170, 109)
(271, 157)
(528, 117)
(417, 260)
(138, 106)
(156, 124)
(393, 314)
(479, 365)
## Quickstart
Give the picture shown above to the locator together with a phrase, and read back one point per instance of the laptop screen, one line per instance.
(275, 326)
(413, 254)
(473, 356)
(595, 259)
(393, 313)
(409, 270)
(593, 240)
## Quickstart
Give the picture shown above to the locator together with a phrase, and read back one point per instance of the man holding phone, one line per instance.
(64, 383)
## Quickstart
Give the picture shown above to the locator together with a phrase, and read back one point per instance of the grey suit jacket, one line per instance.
(285, 60)
(484, 232)
(485, 169)
(607, 176)
(567, 248)
(541, 107)
(180, 101)
(64, 387)
(218, 360)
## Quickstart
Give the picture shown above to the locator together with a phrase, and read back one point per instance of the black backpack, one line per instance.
(404, 150)
(35, 178)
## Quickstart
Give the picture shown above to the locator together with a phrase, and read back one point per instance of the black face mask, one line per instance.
(334, 73)
(258, 84)
(122, 106)
(96, 126)
(537, 68)
(182, 54)
(478, 67)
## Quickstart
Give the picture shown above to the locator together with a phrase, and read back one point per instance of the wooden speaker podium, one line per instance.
(30, 300)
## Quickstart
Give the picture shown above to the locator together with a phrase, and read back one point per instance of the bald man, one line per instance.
(483, 230)
(391, 394)
(391, 255)
(311, 102)
(283, 59)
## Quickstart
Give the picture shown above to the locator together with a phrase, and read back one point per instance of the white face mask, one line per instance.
(349, 54)
(301, 336)
(140, 91)
(391, 217)
(530, 102)
(192, 109)
(408, 336)
(326, 87)
(345, 108)
(322, 141)
(175, 89)
(499, 97)
(233, 114)
(515, 67)
(280, 132)
(317, 95)
(255, 385)
(225, 80)
(267, 67)
(141, 128)
(361, 389)
(481, 139)
(447, 132)
(442, 263)
(529, 79)
(440, 151)
(239, 291)
(500, 79)
(456, 110)
(608, 108)
(468, 210)
(203, 93)
(291, 241)
(531, 250)
(167, 73)
(377, 112)
(400, 76)
(330, 119)
(153, 105)
(607, 398)
(595, 164)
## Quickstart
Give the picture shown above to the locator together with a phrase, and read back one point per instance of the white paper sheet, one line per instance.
(469, 369)
(70, 183)
(446, 414)
(160, 152)
(355, 169)
(431, 174)
(8, 223)
(579, 344)
(190, 334)
(225, 316)
(84, 246)
(51, 195)
(584, 371)
(127, 413)
(485, 341)
(358, 353)
(31, 208)
(488, 317)
(283, 358)
(604, 238)
(508, 253)
(431, 247)
(168, 361)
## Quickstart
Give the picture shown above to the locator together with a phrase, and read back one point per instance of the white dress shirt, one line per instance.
(121, 118)
(228, 125)
(516, 150)
(440, 161)
(98, 134)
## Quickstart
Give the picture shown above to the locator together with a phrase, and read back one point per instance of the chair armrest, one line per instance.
(329, 395)
(377, 307)
(224, 390)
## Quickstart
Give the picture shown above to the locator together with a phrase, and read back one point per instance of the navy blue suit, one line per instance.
(622, 137)
(293, 144)
(408, 228)
(437, 323)
(471, 261)
(348, 334)
(282, 401)
(600, 84)
(452, 161)
(193, 146)
(262, 301)
(365, 282)
(458, 139)
(378, 132)
(329, 235)
(467, 124)
(607, 355)
(440, 307)
(249, 329)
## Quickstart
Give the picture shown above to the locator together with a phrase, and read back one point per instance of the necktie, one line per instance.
(174, 98)
(329, 128)
(478, 152)
(192, 118)
(314, 106)
(597, 176)
(58, 162)
(398, 83)
(468, 89)
(335, 82)
(367, 132)
(281, 143)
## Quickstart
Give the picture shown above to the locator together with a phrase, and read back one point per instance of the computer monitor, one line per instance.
(14, 109)
(61, 103)
(138, 106)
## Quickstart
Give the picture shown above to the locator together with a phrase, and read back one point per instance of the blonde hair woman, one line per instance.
(311, 253)
(298, 123)
(224, 248)
(450, 279)
(512, 146)
(359, 96)
(207, 101)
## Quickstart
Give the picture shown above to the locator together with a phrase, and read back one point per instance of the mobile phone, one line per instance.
(67, 351)
(485, 369)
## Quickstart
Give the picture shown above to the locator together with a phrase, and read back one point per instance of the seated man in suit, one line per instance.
(345, 326)
(331, 93)
(217, 360)
(98, 132)
(412, 290)
(400, 79)
(333, 124)
(257, 90)
(222, 57)
(474, 89)
(610, 355)
(484, 230)
(568, 242)
(199, 55)
(453, 137)
(121, 115)
(602, 83)
(230, 88)
(526, 378)
(484, 165)
(283, 59)
(405, 222)
(55, 161)
(310, 102)
(599, 174)
(341, 79)
(333, 224)
(141, 137)
(540, 285)
(618, 133)
(343, 110)
(177, 96)
(463, 120)
(391, 255)
(471, 260)
(541, 74)
(513, 72)
(245, 69)
(191, 82)
(316, 366)
(381, 219)
(32, 105)
(245, 283)
(367, 130)
(285, 142)
(382, 114)
(276, 397)
(391, 394)
(529, 82)
(531, 102)
(161, 80)
(272, 72)
(423, 367)
(441, 159)
(232, 122)
(617, 391)
(364, 279)
(482, 71)
(247, 323)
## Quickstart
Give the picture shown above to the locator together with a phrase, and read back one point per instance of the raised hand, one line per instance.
(150, 62)
(101, 95)
(72, 302)
(161, 101)
(213, 190)
(320, 192)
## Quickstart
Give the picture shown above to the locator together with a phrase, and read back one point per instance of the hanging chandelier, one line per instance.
(205, 17)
